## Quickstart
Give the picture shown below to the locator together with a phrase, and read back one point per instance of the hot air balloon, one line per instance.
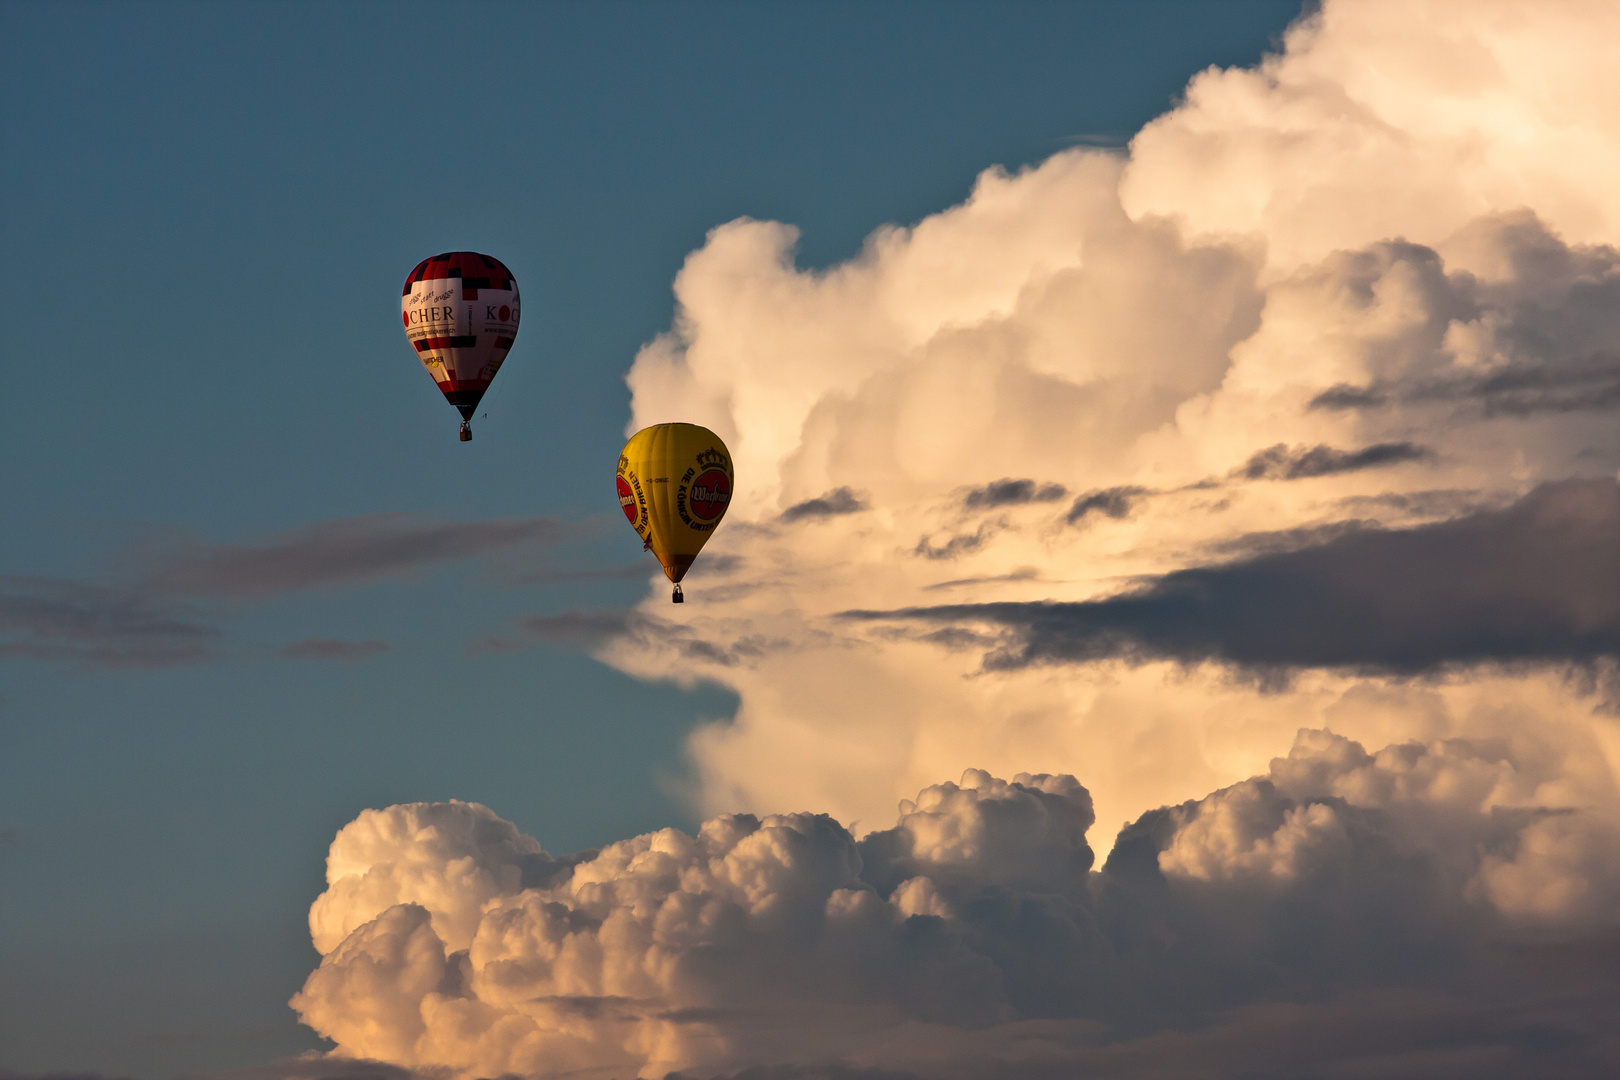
(461, 314)
(674, 485)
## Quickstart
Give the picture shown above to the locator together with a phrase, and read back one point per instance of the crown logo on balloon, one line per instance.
(712, 458)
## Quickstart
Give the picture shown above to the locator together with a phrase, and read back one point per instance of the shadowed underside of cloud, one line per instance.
(351, 550)
(309, 1066)
(800, 1072)
(1365, 1036)
(1539, 580)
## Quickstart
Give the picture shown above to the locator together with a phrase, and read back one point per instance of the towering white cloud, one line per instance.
(1365, 285)
(1382, 119)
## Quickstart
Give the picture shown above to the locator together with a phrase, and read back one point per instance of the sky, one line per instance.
(1167, 622)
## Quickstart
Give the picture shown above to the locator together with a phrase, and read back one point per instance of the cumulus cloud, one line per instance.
(975, 935)
(1336, 322)
(1382, 119)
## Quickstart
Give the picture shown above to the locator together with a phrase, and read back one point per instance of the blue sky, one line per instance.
(209, 209)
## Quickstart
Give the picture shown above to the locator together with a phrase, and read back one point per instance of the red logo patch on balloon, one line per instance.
(506, 313)
(709, 495)
(627, 501)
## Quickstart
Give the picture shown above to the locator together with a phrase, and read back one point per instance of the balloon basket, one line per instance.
(677, 598)
(466, 432)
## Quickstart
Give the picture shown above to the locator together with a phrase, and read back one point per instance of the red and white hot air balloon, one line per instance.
(461, 315)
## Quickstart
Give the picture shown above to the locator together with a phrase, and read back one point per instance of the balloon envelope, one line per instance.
(674, 484)
(461, 312)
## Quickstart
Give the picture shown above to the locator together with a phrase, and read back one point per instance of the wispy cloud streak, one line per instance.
(835, 503)
(333, 649)
(1282, 462)
(51, 619)
(348, 551)
(167, 614)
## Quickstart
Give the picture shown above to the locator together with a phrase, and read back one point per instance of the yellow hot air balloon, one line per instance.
(674, 485)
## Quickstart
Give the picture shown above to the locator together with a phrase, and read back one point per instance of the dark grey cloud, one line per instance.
(343, 552)
(51, 619)
(959, 544)
(834, 503)
(1520, 388)
(1010, 492)
(1283, 462)
(333, 649)
(1114, 502)
(1537, 581)
(1345, 396)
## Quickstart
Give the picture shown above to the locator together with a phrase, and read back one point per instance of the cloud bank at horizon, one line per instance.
(973, 938)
